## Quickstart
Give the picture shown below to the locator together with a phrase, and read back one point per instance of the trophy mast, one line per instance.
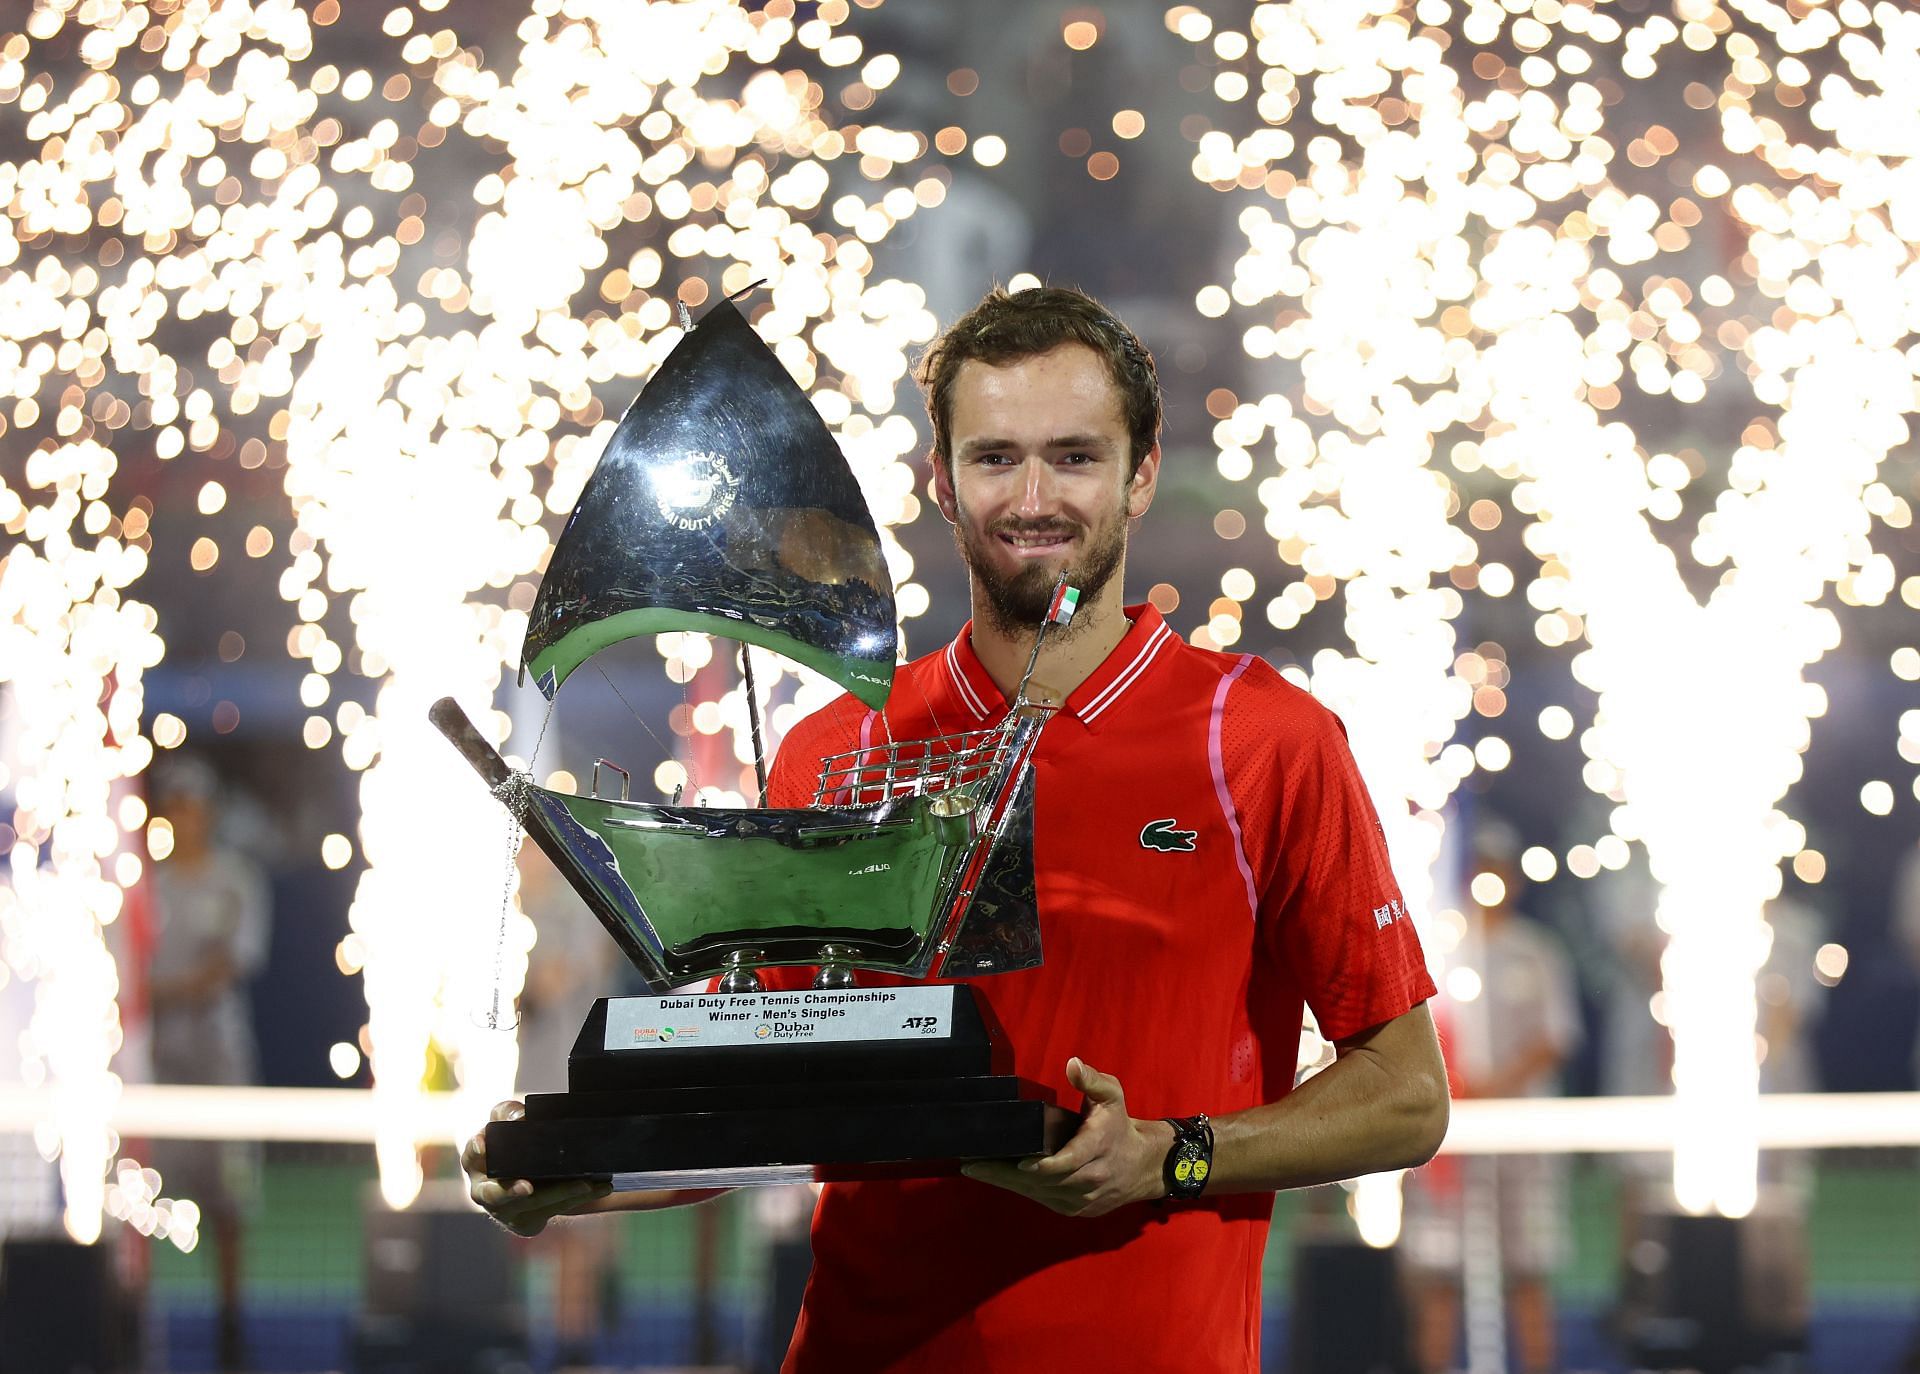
(753, 720)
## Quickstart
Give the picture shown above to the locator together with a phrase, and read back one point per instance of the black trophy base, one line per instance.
(882, 1130)
(717, 1115)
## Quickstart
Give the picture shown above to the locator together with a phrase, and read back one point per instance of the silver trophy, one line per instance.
(723, 505)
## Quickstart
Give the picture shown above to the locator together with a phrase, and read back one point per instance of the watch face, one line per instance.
(1190, 1165)
(1191, 1158)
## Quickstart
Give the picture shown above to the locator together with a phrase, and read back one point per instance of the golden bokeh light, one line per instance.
(1080, 34)
(336, 851)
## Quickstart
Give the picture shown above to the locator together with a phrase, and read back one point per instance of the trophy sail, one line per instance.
(722, 505)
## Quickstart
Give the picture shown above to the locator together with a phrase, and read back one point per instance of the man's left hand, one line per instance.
(1112, 1159)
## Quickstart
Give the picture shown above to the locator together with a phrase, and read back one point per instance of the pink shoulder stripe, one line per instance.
(1218, 763)
(866, 744)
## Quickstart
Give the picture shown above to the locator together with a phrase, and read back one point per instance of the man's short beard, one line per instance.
(1020, 602)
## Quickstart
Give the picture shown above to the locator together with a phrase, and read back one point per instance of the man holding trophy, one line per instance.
(1205, 862)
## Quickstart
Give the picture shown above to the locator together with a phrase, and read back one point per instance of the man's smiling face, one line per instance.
(1038, 479)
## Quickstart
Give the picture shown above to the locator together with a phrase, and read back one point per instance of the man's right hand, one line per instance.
(523, 1207)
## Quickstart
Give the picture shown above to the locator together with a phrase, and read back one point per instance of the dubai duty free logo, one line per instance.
(695, 492)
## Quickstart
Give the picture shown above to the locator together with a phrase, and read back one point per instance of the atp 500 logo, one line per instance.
(926, 1025)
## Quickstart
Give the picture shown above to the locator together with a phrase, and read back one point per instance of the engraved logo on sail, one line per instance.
(697, 491)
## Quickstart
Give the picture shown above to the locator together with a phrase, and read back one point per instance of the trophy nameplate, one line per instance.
(718, 1089)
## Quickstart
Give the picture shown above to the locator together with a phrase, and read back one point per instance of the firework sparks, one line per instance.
(225, 245)
(1481, 251)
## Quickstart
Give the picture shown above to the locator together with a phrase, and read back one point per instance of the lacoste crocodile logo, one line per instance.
(1162, 836)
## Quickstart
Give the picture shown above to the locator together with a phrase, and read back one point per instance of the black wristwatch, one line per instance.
(1190, 1160)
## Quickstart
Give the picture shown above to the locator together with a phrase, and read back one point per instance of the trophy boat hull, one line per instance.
(782, 883)
(841, 1083)
(922, 882)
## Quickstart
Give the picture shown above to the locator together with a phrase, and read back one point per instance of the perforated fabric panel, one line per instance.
(1330, 907)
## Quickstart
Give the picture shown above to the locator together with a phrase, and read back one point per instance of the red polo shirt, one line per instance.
(1180, 970)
